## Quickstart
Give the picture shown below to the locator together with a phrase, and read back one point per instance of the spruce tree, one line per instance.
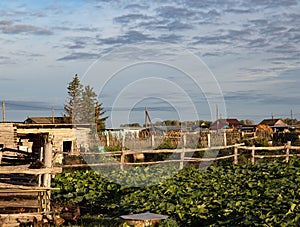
(72, 106)
(91, 110)
(82, 105)
(100, 120)
(88, 105)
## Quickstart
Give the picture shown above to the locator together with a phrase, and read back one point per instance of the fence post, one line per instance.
(182, 152)
(123, 151)
(107, 139)
(225, 139)
(208, 139)
(253, 155)
(235, 154)
(288, 151)
(48, 164)
(152, 141)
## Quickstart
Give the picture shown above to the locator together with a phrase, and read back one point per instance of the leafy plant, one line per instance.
(221, 195)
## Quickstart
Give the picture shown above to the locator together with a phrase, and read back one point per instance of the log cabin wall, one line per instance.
(8, 135)
(65, 139)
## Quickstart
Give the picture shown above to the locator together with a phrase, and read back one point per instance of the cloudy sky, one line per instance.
(179, 58)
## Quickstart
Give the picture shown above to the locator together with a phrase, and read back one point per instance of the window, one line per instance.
(67, 146)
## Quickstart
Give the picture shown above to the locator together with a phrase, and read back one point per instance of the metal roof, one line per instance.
(271, 122)
(144, 216)
(47, 120)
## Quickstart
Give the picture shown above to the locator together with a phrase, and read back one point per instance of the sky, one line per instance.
(182, 59)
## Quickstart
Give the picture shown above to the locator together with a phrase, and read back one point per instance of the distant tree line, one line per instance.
(193, 124)
(134, 125)
(291, 121)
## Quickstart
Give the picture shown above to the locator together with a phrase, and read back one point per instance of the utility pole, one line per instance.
(3, 111)
(147, 117)
(53, 115)
(217, 116)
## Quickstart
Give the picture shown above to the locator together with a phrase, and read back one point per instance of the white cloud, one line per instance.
(243, 42)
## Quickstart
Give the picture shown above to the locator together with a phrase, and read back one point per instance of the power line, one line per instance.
(11, 104)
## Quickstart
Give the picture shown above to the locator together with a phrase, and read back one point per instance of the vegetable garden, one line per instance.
(220, 195)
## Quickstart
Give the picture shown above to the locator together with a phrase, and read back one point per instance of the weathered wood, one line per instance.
(208, 140)
(182, 154)
(186, 159)
(122, 160)
(91, 165)
(235, 150)
(25, 170)
(7, 135)
(187, 150)
(295, 147)
(210, 159)
(106, 153)
(271, 156)
(47, 161)
(8, 188)
(22, 217)
(107, 140)
(253, 155)
(152, 141)
(263, 148)
(20, 204)
(288, 151)
(225, 139)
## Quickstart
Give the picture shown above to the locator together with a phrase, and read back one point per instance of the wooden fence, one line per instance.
(203, 138)
(25, 189)
(186, 155)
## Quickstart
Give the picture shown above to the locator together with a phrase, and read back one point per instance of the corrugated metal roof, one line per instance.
(144, 216)
(272, 122)
(47, 120)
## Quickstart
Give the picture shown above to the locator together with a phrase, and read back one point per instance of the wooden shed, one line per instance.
(67, 139)
(25, 189)
(8, 135)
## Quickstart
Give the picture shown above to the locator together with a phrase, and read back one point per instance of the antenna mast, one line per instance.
(147, 117)
(3, 111)
(53, 115)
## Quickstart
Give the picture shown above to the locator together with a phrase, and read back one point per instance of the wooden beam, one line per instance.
(20, 204)
(25, 170)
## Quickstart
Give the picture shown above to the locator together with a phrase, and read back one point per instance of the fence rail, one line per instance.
(184, 159)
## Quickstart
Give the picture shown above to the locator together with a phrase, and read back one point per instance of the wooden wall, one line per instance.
(78, 136)
(8, 135)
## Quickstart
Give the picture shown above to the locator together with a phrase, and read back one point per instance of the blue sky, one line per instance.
(246, 54)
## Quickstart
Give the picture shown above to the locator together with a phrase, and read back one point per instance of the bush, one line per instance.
(169, 222)
(258, 142)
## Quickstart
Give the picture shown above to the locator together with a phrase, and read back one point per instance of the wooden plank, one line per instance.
(263, 148)
(91, 165)
(235, 162)
(6, 188)
(6, 194)
(20, 204)
(272, 156)
(16, 190)
(209, 159)
(22, 217)
(25, 169)
(128, 152)
(295, 148)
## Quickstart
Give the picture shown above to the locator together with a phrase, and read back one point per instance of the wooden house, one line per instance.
(276, 124)
(228, 123)
(67, 138)
(8, 135)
